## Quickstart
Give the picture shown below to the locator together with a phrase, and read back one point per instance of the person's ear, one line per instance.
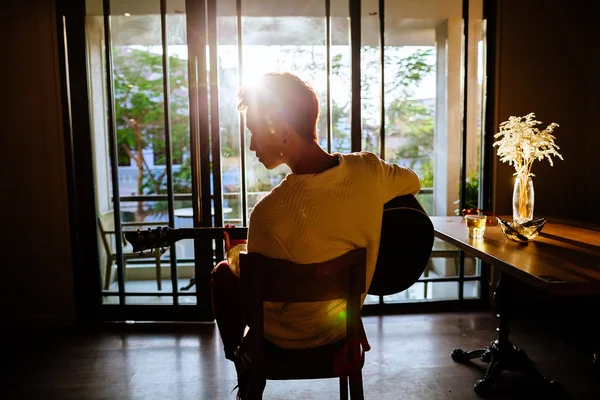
(285, 133)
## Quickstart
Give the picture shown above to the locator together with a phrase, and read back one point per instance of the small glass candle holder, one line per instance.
(476, 225)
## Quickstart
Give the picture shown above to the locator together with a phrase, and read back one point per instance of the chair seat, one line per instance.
(319, 362)
(313, 363)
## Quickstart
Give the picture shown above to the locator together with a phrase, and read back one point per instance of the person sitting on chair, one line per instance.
(328, 205)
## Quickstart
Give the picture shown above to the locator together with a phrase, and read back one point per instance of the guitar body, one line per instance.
(405, 247)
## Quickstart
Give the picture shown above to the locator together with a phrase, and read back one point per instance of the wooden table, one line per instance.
(563, 259)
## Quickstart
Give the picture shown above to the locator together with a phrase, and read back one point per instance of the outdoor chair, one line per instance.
(106, 224)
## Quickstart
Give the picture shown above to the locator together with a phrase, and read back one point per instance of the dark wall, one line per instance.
(37, 272)
(547, 63)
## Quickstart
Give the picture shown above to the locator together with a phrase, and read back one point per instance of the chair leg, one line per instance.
(108, 273)
(256, 387)
(356, 386)
(158, 276)
(343, 388)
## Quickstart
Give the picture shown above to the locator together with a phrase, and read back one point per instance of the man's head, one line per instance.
(282, 113)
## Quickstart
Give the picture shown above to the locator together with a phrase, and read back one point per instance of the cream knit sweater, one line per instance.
(313, 218)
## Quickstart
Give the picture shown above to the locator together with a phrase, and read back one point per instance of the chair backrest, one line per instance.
(406, 242)
(268, 279)
(284, 281)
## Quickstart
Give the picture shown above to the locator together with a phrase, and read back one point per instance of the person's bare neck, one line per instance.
(312, 159)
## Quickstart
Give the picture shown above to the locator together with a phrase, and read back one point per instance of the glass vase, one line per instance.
(523, 199)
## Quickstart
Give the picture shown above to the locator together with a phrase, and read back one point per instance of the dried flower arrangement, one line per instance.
(520, 143)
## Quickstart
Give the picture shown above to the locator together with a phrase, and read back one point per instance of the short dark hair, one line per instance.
(283, 97)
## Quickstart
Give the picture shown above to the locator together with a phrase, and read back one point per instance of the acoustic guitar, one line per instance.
(404, 248)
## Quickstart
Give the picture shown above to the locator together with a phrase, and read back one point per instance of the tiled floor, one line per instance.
(410, 359)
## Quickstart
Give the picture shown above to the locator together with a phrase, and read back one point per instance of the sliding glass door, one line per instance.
(402, 79)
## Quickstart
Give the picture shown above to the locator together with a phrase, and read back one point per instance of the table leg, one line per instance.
(190, 284)
(501, 354)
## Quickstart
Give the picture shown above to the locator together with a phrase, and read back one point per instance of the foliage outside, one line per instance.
(139, 103)
(471, 192)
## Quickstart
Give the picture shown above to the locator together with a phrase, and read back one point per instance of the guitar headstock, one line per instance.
(160, 237)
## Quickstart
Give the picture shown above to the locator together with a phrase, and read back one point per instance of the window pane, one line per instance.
(139, 102)
(475, 96)
(370, 79)
(229, 117)
(411, 87)
(340, 77)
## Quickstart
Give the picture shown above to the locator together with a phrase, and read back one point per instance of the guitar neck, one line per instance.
(211, 233)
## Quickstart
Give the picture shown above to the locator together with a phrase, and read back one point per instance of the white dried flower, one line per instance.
(520, 143)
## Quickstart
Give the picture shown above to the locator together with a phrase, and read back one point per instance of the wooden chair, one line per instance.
(106, 224)
(266, 279)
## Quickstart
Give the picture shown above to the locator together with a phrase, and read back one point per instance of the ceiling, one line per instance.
(283, 22)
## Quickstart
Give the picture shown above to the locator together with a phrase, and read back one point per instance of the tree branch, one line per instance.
(128, 151)
(154, 182)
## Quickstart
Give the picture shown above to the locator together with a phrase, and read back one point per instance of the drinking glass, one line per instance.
(476, 225)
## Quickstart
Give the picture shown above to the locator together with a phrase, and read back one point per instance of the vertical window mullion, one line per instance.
(487, 154)
(215, 119)
(382, 76)
(113, 151)
(193, 67)
(355, 45)
(328, 55)
(196, 26)
(200, 151)
(168, 144)
(238, 10)
(463, 147)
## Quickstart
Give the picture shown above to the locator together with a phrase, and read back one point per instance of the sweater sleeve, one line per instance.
(257, 237)
(397, 181)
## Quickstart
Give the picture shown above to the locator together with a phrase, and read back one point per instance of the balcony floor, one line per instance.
(435, 291)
